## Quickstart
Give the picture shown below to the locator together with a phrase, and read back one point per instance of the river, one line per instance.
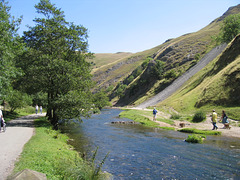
(137, 152)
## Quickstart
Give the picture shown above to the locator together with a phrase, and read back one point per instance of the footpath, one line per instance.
(18, 133)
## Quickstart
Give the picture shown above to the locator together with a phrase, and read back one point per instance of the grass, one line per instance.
(8, 115)
(195, 138)
(140, 116)
(197, 131)
(48, 152)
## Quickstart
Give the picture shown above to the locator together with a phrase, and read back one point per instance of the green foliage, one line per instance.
(195, 138)
(120, 90)
(145, 62)
(158, 69)
(10, 48)
(199, 116)
(17, 99)
(196, 131)
(55, 64)
(40, 99)
(197, 56)
(53, 156)
(175, 116)
(170, 74)
(100, 100)
(230, 28)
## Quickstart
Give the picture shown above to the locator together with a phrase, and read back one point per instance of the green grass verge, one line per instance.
(137, 115)
(197, 131)
(48, 152)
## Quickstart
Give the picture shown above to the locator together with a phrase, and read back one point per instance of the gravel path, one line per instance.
(18, 133)
(182, 79)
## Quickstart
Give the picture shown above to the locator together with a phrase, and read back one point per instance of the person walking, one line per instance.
(36, 108)
(214, 120)
(40, 109)
(154, 114)
(1, 117)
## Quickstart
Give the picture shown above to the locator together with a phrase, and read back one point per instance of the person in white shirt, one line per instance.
(1, 117)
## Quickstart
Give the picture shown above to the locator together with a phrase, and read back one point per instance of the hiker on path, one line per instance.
(214, 120)
(36, 108)
(1, 117)
(154, 114)
(40, 109)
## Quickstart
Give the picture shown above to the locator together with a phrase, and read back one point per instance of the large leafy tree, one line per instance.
(10, 48)
(55, 64)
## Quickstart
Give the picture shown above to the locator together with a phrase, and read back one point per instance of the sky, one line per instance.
(129, 25)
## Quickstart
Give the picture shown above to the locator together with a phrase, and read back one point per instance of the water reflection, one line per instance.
(137, 152)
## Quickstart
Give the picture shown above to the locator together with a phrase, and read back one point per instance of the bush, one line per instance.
(195, 138)
(175, 116)
(199, 116)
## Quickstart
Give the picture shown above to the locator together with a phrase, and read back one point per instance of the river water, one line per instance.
(137, 152)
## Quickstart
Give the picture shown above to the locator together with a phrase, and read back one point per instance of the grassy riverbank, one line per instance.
(49, 153)
(144, 118)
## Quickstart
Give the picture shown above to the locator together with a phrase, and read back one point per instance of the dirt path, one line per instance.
(18, 133)
(207, 125)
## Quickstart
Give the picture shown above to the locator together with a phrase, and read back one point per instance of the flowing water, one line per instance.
(137, 152)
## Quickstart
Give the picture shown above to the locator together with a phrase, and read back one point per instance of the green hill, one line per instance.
(133, 79)
(217, 85)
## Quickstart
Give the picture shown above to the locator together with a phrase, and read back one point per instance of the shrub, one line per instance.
(199, 116)
(175, 116)
(195, 138)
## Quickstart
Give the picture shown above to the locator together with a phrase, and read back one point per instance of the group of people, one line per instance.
(223, 120)
(36, 108)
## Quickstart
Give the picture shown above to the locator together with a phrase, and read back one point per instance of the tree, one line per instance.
(158, 69)
(10, 48)
(55, 64)
(100, 100)
(230, 28)
(18, 99)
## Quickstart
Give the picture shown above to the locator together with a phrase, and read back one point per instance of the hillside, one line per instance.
(137, 77)
(215, 85)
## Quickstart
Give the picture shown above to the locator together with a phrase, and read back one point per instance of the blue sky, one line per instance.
(130, 25)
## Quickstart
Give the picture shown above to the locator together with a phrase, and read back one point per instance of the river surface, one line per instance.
(137, 152)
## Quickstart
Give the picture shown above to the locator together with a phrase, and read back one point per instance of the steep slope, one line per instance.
(184, 78)
(138, 77)
(216, 84)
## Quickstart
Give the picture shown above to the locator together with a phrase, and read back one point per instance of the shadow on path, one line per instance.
(25, 121)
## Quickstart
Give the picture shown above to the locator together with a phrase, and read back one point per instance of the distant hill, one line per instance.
(132, 79)
(101, 59)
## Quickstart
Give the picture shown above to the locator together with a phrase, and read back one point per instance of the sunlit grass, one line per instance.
(48, 152)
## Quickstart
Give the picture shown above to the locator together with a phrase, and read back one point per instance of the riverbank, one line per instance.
(47, 152)
(164, 121)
